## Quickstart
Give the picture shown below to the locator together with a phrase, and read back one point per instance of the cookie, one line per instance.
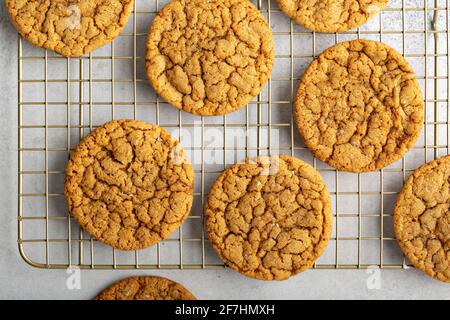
(359, 106)
(71, 28)
(210, 57)
(331, 15)
(129, 184)
(422, 219)
(269, 218)
(146, 288)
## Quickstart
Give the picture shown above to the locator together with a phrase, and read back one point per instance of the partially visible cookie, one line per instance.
(269, 218)
(359, 106)
(70, 28)
(129, 184)
(331, 15)
(146, 288)
(211, 57)
(422, 219)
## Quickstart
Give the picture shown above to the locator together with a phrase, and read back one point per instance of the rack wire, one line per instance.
(61, 100)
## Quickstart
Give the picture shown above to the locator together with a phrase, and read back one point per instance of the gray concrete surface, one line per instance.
(20, 281)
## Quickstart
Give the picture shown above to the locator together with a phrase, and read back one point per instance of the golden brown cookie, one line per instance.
(146, 288)
(129, 184)
(422, 219)
(71, 28)
(359, 106)
(331, 15)
(211, 57)
(269, 218)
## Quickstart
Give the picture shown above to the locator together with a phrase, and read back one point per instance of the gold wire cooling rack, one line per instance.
(61, 100)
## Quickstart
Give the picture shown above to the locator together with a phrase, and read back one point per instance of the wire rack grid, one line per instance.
(60, 100)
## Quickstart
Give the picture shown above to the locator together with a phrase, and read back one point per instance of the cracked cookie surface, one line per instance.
(209, 57)
(269, 218)
(71, 28)
(146, 288)
(331, 15)
(359, 106)
(422, 219)
(129, 184)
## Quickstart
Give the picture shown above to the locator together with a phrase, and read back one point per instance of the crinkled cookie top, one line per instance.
(71, 28)
(209, 57)
(269, 218)
(129, 184)
(359, 106)
(422, 219)
(146, 288)
(331, 15)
